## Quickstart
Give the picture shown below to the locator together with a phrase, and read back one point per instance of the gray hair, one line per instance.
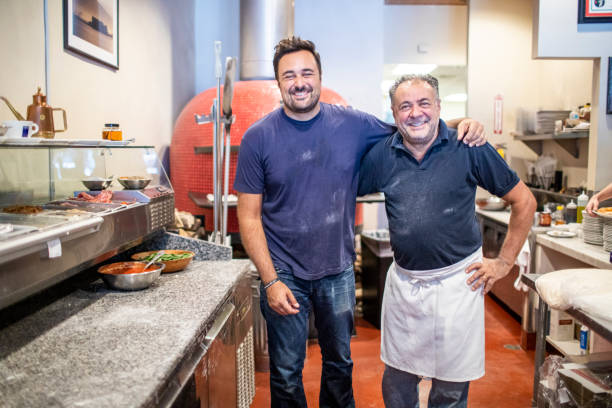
(431, 80)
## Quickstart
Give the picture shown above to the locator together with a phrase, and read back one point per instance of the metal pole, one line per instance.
(217, 145)
(226, 184)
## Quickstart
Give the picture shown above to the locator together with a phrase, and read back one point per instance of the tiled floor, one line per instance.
(507, 383)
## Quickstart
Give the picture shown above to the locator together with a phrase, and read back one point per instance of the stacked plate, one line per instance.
(592, 229)
(607, 234)
(606, 218)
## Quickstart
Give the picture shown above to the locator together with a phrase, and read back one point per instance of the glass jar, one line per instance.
(112, 131)
(558, 217)
(545, 218)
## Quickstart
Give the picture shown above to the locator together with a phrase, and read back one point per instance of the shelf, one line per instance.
(46, 143)
(565, 347)
(567, 140)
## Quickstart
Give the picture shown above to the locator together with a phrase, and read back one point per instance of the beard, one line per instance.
(421, 136)
(302, 106)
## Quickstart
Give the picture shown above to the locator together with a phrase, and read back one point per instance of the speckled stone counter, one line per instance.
(97, 347)
(575, 247)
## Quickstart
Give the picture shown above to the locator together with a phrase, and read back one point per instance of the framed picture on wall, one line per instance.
(91, 29)
(609, 105)
(594, 11)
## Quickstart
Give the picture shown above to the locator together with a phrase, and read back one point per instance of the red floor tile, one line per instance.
(506, 384)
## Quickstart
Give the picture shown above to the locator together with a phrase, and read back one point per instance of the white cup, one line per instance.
(20, 128)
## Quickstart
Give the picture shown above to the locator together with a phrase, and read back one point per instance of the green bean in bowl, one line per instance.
(174, 259)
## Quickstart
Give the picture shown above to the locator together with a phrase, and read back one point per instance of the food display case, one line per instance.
(53, 224)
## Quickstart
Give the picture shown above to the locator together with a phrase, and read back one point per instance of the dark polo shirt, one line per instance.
(430, 205)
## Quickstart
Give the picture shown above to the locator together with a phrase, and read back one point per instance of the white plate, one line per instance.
(603, 215)
(561, 234)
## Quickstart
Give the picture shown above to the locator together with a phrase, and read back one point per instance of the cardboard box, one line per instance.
(561, 325)
(585, 387)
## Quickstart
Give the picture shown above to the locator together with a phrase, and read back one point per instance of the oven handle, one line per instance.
(219, 324)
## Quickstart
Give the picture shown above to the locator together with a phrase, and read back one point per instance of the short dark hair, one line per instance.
(431, 80)
(294, 44)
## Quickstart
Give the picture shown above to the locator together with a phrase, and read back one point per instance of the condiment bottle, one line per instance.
(112, 131)
(545, 218)
(557, 216)
(581, 203)
(571, 212)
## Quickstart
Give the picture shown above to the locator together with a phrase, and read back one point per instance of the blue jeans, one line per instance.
(332, 299)
(401, 390)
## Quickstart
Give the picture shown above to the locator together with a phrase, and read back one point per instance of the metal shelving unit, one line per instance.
(567, 140)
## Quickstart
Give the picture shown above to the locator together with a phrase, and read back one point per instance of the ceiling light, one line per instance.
(417, 69)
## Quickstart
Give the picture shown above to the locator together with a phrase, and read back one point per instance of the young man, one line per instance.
(297, 180)
(432, 321)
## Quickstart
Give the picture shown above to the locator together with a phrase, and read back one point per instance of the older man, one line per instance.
(432, 318)
(297, 180)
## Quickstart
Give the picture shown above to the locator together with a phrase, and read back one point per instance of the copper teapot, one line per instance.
(42, 114)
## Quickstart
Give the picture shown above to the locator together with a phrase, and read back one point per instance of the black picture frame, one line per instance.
(93, 32)
(609, 104)
(594, 11)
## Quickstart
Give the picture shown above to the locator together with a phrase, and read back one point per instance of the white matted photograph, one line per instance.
(91, 29)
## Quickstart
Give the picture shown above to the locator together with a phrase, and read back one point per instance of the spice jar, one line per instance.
(112, 131)
(545, 218)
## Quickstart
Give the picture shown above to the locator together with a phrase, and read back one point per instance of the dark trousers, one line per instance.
(332, 300)
(401, 390)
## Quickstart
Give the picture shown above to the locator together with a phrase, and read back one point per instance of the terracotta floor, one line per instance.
(507, 383)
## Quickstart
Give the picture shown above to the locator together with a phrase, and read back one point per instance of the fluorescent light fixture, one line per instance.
(403, 69)
(456, 97)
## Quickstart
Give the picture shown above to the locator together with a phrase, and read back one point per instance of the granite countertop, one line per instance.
(577, 248)
(106, 348)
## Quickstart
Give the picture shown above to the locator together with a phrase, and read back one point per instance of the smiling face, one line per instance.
(416, 109)
(299, 82)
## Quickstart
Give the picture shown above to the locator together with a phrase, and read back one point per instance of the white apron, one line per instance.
(433, 323)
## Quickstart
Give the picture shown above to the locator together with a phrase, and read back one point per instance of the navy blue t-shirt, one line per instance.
(307, 172)
(431, 205)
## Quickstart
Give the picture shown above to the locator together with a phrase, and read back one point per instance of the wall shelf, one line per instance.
(567, 140)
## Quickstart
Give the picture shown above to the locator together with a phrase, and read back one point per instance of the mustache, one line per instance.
(417, 121)
(302, 88)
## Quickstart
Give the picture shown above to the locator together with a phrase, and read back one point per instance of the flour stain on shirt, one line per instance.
(332, 218)
(449, 211)
(307, 155)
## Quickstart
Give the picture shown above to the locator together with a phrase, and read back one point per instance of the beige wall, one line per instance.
(500, 62)
(23, 53)
(558, 35)
(154, 81)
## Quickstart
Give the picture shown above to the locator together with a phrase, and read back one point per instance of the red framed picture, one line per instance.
(594, 11)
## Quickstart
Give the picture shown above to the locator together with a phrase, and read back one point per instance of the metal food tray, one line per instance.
(88, 206)
(34, 231)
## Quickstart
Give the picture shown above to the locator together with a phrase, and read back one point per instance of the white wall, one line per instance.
(349, 36)
(154, 81)
(442, 29)
(500, 62)
(558, 35)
